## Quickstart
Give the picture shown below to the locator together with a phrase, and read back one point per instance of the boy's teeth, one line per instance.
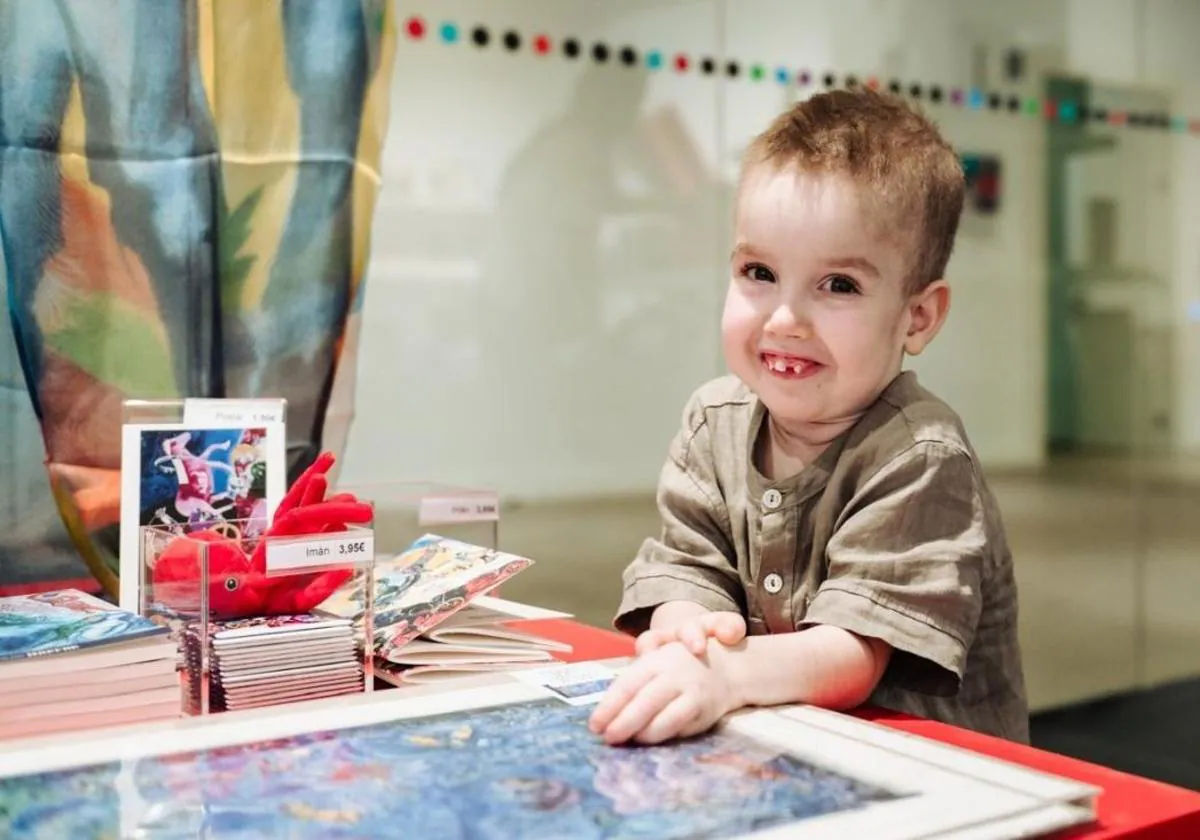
(781, 366)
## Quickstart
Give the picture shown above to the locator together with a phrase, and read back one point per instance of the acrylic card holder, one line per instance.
(254, 634)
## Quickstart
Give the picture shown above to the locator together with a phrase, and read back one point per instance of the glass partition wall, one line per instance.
(550, 257)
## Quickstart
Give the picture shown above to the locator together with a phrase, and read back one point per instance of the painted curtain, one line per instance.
(186, 195)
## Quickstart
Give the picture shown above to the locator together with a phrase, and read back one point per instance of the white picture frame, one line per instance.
(953, 794)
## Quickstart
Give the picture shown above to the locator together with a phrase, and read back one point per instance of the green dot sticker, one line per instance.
(756, 72)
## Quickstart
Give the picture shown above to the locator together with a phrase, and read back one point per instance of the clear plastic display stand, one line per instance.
(261, 601)
(406, 511)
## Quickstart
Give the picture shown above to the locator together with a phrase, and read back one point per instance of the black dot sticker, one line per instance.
(894, 86)
(480, 36)
(732, 69)
(1100, 115)
(600, 53)
(829, 80)
(1084, 113)
(571, 48)
(914, 91)
(707, 66)
(994, 101)
(512, 40)
(628, 56)
(851, 81)
(935, 93)
(1014, 104)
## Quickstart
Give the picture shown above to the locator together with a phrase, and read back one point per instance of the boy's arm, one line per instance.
(827, 666)
(689, 569)
(907, 566)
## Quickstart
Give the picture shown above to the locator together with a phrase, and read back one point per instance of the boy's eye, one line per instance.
(841, 285)
(759, 273)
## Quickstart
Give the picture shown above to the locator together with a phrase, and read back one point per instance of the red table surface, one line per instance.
(1128, 807)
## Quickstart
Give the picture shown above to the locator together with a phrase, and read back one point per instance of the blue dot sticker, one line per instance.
(783, 75)
(1068, 111)
(654, 59)
(975, 98)
(449, 33)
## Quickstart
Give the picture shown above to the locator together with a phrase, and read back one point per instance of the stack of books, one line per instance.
(489, 634)
(70, 661)
(265, 661)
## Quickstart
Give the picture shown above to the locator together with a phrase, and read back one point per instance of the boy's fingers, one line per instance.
(729, 629)
(694, 636)
(622, 690)
(647, 642)
(640, 710)
(679, 716)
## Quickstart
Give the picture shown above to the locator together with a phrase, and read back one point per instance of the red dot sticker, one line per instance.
(1118, 118)
(1050, 109)
(681, 62)
(541, 45)
(873, 83)
(1195, 126)
(415, 27)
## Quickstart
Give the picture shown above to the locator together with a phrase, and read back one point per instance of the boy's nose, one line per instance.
(786, 321)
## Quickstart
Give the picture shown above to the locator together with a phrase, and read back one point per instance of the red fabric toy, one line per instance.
(238, 584)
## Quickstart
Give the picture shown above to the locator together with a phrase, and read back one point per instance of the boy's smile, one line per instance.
(818, 314)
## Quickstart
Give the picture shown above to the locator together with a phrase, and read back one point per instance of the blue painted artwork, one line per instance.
(67, 619)
(531, 770)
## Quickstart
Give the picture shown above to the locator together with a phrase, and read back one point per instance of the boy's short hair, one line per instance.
(886, 146)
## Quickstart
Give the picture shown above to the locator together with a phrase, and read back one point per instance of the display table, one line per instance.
(1130, 807)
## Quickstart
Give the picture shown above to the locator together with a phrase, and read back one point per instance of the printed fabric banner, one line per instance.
(186, 195)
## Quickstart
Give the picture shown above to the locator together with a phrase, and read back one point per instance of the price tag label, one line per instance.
(353, 547)
(441, 510)
(217, 413)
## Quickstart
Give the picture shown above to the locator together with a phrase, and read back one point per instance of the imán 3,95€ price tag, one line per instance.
(324, 550)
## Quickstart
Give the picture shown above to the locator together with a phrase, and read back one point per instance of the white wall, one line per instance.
(465, 378)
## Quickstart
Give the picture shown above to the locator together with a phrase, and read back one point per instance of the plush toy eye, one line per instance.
(231, 584)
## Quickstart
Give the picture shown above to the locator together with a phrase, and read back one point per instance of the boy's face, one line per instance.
(817, 317)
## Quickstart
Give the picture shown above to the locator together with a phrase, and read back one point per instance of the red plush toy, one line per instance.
(238, 585)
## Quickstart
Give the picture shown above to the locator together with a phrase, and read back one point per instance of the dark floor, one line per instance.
(1153, 733)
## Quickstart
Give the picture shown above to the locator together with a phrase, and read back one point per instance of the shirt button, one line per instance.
(773, 583)
(772, 499)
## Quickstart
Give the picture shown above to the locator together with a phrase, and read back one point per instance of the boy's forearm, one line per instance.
(821, 666)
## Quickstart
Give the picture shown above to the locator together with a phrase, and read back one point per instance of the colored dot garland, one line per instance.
(1066, 112)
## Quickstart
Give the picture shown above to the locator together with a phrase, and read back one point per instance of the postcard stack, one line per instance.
(257, 662)
(70, 661)
(433, 618)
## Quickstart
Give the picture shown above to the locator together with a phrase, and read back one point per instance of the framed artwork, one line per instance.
(505, 759)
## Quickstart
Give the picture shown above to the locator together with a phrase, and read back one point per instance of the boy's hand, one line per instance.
(667, 693)
(728, 628)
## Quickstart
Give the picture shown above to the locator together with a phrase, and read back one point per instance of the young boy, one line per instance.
(828, 537)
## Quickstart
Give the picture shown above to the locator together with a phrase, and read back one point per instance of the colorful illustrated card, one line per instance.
(189, 479)
(418, 589)
(54, 622)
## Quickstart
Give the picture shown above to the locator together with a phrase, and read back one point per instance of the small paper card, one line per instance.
(578, 683)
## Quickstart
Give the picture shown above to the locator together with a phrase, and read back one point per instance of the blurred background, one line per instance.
(549, 258)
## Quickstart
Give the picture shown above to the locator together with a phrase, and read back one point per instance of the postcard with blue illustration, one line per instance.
(68, 619)
(426, 584)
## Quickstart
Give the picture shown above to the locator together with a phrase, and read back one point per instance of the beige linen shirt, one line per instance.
(892, 533)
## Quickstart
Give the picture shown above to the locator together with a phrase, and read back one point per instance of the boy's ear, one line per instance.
(927, 311)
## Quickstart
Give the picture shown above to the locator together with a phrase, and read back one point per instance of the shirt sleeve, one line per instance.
(691, 560)
(906, 565)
